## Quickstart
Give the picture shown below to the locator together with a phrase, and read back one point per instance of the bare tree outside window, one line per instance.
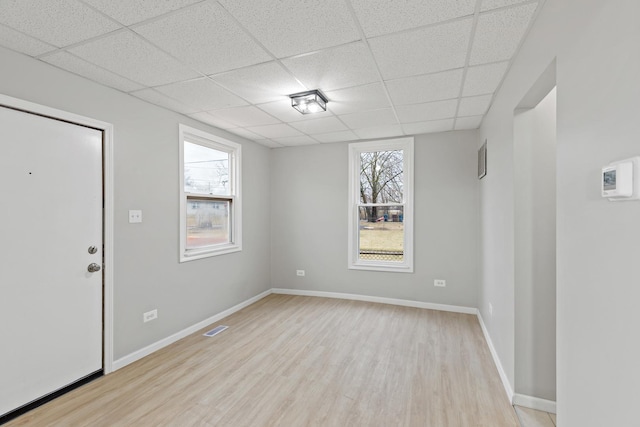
(381, 212)
(380, 180)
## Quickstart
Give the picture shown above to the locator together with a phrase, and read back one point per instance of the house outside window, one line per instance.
(210, 195)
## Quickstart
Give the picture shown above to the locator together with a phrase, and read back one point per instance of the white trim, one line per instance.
(382, 300)
(108, 248)
(503, 375)
(534, 403)
(355, 148)
(235, 150)
(139, 354)
(108, 215)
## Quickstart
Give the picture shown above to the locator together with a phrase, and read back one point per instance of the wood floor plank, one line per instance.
(532, 418)
(303, 361)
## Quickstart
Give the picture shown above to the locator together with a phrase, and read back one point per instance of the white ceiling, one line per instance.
(388, 67)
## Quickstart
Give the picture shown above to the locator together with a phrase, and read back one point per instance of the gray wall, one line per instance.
(598, 242)
(147, 272)
(535, 249)
(309, 222)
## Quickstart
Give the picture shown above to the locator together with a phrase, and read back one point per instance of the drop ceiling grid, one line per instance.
(76, 65)
(474, 29)
(188, 34)
(58, 23)
(24, 43)
(130, 12)
(385, 69)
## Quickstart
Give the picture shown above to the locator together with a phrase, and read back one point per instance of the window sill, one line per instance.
(194, 254)
(381, 267)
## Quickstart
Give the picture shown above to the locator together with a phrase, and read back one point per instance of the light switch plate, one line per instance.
(135, 216)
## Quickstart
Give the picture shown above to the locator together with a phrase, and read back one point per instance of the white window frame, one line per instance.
(206, 139)
(355, 149)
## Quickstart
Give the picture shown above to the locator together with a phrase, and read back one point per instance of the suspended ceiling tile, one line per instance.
(499, 33)
(130, 12)
(22, 43)
(336, 68)
(484, 79)
(427, 111)
(60, 22)
(468, 123)
(284, 111)
(207, 118)
(341, 136)
(71, 63)
(157, 98)
(365, 119)
(473, 106)
(291, 27)
(358, 98)
(293, 141)
(323, 125)
(269, 143)
(383, 16)
(129, 56)
(384, 131)
(427, 88)
(202, 94)
(260, 83)
(274, 131)
(206, 38)
(245, 116)
(495, 4)
(246, 134)
(428, 127)
(423, 51)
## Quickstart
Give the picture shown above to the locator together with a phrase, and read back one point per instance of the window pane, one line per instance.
(381, 177)
(206, 170)
(207, 222)
(381, 235)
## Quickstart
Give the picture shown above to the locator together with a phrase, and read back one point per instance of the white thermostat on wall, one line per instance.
(621, 180)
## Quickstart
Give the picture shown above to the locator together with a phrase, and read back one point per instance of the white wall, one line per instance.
(535, 249)
(309, 222)
(598, 242)
(147, 272)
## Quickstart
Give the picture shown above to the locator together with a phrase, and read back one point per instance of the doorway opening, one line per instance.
(535, 245)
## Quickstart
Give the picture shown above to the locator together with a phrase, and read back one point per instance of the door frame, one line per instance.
(108, 212)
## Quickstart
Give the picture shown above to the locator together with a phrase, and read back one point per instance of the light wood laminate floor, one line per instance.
(303, 361)
(532, 418)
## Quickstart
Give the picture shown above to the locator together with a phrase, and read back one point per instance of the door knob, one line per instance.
(93, 267)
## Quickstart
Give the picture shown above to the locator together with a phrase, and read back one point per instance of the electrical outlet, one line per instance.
(299, 272)
(490, 309)
(135, 216)
(440, 283)
(150, 315)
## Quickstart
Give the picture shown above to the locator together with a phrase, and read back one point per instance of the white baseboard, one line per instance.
(534, 403)
(382, 300)
(139, 354)
(503, 375)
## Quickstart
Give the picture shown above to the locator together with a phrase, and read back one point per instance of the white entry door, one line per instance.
(50, 217)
